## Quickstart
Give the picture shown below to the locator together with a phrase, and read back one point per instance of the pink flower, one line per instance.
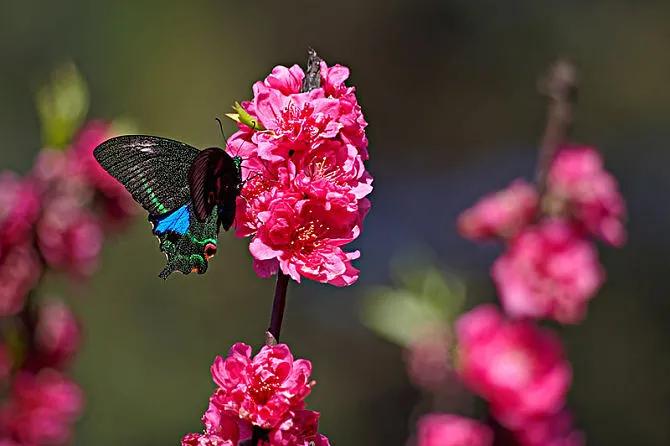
(300, 428)
(19, 208)
(579, 185)
(452, 430)
(306, 236)
(69, 235)
(41, 409)
(262, 389)
(306, 183)
(555, 430)
(548, 270)
(501, 214)
(221, 429)
(516, 366)
(117, 203)
(20, 270)
(57, 335)
(428, 360)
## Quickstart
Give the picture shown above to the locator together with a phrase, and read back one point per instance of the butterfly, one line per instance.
(189, 193)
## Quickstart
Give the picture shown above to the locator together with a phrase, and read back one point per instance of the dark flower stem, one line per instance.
(278, 306)
(560, 88)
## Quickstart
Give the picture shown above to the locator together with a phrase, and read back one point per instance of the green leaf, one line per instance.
(62, 105)
(420, 300)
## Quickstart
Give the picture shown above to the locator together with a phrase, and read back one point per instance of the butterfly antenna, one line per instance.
(223, 135)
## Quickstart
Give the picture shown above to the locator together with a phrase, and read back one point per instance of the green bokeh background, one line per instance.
(449, 90)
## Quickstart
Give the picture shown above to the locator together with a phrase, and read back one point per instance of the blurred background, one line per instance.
(449, 90)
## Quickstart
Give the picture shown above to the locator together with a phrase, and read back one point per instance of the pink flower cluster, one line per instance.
(550, 268)
(53, 218)
(264, 394)
(305, 181)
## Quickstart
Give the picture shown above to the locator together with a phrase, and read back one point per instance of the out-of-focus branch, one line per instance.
(559, 85)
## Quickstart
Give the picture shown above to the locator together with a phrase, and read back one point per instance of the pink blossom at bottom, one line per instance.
(452, 430)
(548, 270)
(262, 394)
(519, 368)
(41, 409)
(261, 389)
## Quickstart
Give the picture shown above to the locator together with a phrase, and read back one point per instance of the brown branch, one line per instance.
(560, 88)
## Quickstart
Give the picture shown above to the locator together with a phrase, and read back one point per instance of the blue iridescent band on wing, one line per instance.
(177, 221)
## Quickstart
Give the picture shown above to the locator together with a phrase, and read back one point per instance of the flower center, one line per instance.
(322, 169)
(262, 391)
(299, 123)
(309, 235)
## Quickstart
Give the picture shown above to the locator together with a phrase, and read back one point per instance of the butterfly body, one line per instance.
(188, 193)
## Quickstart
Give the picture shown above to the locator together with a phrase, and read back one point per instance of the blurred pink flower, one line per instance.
(304, 194)
(262, 389)
(578, 184)
(41, 409)
(117, 204)
(548, 270)
(20, 270)
(501, 214)
(516, 366)
(555, 430)
(428, 360)
(19, 209)
(57, 335)
(69, 236)
(452, 430)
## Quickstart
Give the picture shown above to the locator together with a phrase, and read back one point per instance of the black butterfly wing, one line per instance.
(187, 242)
(154, 170)
(215, 179)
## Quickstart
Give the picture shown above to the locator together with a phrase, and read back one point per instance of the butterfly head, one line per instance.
(237, 161)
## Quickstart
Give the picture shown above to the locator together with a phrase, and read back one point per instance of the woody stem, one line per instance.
(560, 87)
(278, 306)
